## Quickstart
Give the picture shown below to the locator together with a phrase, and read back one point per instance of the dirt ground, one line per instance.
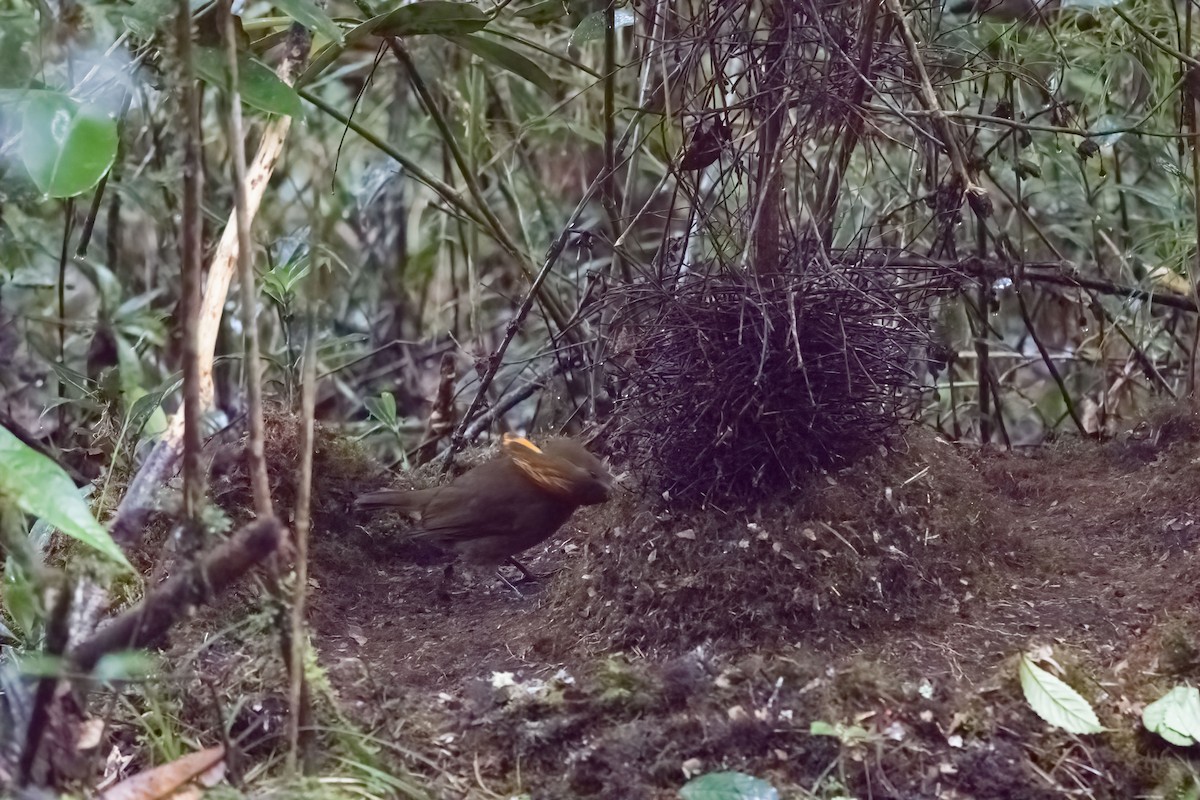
(892, 599)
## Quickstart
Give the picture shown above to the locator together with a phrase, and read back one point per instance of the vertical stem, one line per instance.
(258, 464)
(297, 693)
(190, 255)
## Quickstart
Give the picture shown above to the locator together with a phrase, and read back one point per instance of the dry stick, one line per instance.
(511, 400)
(126, 526)
(40, 717)
(296, 695)
(441, 417)
(929, 99)
(831, 185)
(190, 244)
(496, 358)
(258, 460)
(553, 308)
(68, 226)
(1049, 362)
(143, 624)
(764, 244)
(1193, 267)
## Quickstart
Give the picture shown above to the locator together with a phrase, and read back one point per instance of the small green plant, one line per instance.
(1175, 716)
(728, 786)
(1056, 702)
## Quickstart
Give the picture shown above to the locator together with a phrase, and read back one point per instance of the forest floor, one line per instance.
(893, 599)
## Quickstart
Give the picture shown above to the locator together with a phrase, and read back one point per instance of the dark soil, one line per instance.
(893, 599)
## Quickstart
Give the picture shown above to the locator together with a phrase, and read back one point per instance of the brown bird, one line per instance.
(506, 505)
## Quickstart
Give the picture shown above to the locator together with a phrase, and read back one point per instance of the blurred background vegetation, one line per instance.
(428, 177)
(1000, 196)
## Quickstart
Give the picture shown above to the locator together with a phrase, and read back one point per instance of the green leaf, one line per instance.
(432, 16)
(543, 12)
(258, 86)
(849, 735)
(592, 26)
(728, 786)
(383, 408)
(19, 596)
(40, 487)
(1175, 716)
(311, 16)
(821, 728)
(506, 58)
(66, 146)
(123, 666)
(1055, 701)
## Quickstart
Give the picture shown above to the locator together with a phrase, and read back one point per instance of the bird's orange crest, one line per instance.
(510, 442)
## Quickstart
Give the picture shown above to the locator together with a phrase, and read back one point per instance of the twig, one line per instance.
(297, 694)
(441, 417)
(144, 623)
(259, 480)
(135, 506)
(192, 230)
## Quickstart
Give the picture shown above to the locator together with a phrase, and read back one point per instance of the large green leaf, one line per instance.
(592, 26)
(311, 16)
(728, 786)
(506, 58)
(67, 146)
(1175, 716)
(431, 16)
(415, 19)
(40, 487)
(259, 87)
(1055, 701)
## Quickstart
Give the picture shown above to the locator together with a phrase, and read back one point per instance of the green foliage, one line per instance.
(1175, 716)
(311, 15)
(728, 786)
(258, 85)
(507, 58)
(67, 146)
(592, 26)
(39, 487)
(1056, 702)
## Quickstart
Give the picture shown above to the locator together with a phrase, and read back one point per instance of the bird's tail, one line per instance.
(395, 499)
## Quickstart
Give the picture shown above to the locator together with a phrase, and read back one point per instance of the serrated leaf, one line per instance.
(1056, 702)
(728, 786)
(592, 26)
(1175, 716)
(258, 86)
(66, 146)
(506, 58)
(311, 16)
(41, 488)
